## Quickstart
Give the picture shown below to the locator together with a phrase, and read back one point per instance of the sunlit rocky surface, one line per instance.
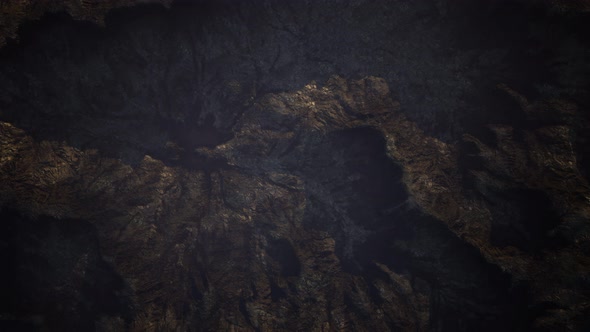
(292, 166)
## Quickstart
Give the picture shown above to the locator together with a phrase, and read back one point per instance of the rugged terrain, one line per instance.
(306, 166)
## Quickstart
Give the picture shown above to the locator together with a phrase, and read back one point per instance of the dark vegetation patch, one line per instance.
(54, 277)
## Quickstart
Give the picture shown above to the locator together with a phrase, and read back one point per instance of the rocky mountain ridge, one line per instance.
(320, 205)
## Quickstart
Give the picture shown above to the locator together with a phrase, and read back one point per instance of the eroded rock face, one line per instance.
(275, 240)
(216, 185)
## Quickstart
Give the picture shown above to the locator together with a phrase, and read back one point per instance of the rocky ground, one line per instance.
(280, 166)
